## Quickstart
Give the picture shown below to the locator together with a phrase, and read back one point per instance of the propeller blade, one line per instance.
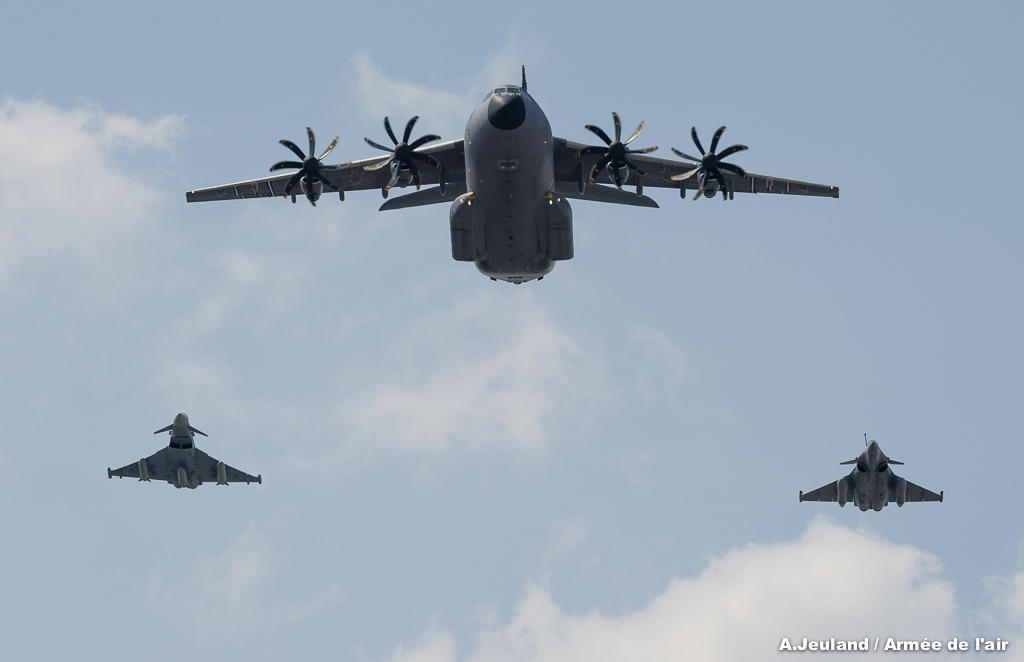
(292, 182)
(645, 150)
(423, 140)
(396, 168)
(733, 168)
(696, 140)
(684, 175)
(295, 148)
(378, 146)
(330, 148)
(312, 141)
(599, 132)
(427, 158)
(408, 128)
(377, 166)
(415, 174)
(599, 166)
(618, 125)
(387, 127)
(714, 138)
(285, 164)
(731, 150)
(699, 193)
(636, 133)
(685, 156)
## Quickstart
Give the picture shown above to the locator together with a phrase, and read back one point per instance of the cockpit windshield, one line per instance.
(504, 90)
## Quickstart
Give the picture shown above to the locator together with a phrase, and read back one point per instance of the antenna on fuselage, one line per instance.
(524, 78)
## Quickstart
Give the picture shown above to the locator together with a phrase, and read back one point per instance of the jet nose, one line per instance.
(506, 111)
(181, 420)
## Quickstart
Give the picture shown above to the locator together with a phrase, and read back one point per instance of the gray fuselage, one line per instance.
(870, 481)
(181, 455)
(509, 171)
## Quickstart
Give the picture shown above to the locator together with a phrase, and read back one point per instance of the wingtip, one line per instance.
(801, 495)
(259, 479)
(110, 474)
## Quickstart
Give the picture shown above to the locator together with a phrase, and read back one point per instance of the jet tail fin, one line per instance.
(198, 431)
(166, 429)
(524, 78)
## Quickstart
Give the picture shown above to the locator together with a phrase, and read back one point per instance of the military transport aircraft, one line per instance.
(872, 484)
(182, 464)
(509, 178)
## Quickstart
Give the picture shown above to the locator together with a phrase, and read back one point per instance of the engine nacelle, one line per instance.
(312, 189)
(181, 478)
(709, 184)
(143, 470)
(623, 173)
(222, 474)
(901, 491)
(841, 492)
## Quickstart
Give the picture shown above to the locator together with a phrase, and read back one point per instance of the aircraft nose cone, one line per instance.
(180, 420)
(506, 111)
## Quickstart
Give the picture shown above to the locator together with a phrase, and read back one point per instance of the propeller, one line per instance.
(309, 167)
(404, 153)
(710, 164)
(615, 154)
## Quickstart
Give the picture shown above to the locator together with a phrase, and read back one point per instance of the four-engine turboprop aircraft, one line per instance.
(872, 484)
(182, 464)
(509, 179)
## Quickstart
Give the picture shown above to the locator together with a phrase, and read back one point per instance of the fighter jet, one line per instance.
(182, 464)
(872, 484)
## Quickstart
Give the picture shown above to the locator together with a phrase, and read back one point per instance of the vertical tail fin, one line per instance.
(524, 78)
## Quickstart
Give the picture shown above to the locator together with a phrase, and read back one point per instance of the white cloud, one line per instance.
(492, 373)
(231, 592)
(831, 582)
(63, 191)
(442, 111)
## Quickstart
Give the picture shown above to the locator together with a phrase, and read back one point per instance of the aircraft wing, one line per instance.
(569, 168)
(156, 468)
(916, 493)
(209, 468)
(827, 492)
(349, 176)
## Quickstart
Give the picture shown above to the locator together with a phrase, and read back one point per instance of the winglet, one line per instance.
(259, 478)
(801, 495)
(110, 474)
(166, 429)
(941, 492)
(524, 78)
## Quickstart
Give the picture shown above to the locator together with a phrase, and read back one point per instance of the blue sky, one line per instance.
(601, 465)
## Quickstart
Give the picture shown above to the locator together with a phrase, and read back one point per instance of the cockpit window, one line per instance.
(507, 90)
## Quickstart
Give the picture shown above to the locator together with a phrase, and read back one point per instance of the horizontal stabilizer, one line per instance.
(599, 193)
(426, 196)
(166, 429)
(892, 461)
(849, 462)
(198, 431)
